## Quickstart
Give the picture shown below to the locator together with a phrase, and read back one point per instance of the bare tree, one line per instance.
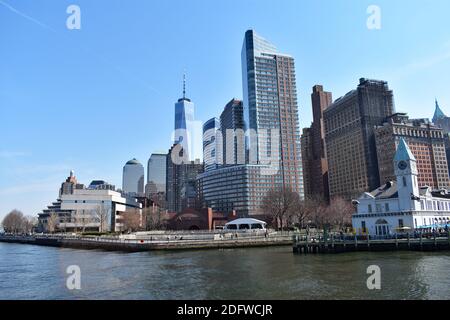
(101, 215)
(303, 210)
(52, 222)
(81, 220)
(337, 214)
(279, 204)
(340, 211)
(130, 220)
(14, 222)
(155, 218)
(30, 223)
(320, 215)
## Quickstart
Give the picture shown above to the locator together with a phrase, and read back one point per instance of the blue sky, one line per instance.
(91, 99)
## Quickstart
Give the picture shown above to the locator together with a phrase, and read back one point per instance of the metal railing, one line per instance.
(341, 238)
(167, 238)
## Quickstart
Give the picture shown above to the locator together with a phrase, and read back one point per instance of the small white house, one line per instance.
(402, 206)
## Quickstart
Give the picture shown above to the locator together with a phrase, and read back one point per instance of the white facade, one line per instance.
(402, 206)
(87, 205)
(133, 178)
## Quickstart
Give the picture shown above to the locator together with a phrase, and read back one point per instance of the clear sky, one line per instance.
(91, 99)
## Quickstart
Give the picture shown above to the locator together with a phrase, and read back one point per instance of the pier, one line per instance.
(341, 244)
(161, 241)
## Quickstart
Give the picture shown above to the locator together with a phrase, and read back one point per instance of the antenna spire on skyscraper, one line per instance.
(184, 85)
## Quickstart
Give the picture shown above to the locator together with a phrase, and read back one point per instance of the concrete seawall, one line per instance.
(148, 245)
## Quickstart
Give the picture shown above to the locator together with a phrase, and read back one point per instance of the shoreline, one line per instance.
(127, 245)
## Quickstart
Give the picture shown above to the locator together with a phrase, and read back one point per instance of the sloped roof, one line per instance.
(438, 113)
(403, 152)
(387, 191)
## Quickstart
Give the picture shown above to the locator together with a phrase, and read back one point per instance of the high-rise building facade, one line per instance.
(188, 182)
(441, 120)
(315, 164)
(172, 173)
(270, 109)
(186, 128)
(133, 178)
(233, 133)
(426, 142)
(241, 188)
(211, 144)
(350, 139)
(181, 181)
(307, 151)
(156, 174)
(68, 186)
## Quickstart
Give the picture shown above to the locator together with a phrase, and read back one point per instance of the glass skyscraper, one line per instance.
(184, 116)
(233, 133)
(156, 173)
(133, 178)
(211, 144)
(270, 109)
(187, 132)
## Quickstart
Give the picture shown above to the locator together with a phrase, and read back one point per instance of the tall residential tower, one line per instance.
(270, 109)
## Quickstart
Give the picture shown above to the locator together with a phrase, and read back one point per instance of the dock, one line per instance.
(332, 244)
(147, 244)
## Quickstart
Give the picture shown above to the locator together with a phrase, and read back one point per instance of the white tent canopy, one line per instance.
(245, 224)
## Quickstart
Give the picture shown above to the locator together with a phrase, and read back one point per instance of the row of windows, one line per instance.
(378, 207)
(435, 205)
(418, 133)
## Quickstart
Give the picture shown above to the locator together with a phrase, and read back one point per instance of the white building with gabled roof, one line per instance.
(401, 206)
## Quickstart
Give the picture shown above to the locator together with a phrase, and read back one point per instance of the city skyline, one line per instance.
(33, 168)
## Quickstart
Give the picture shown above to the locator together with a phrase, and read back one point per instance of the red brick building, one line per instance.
(426, 142)
(315, 165)
(205, 219)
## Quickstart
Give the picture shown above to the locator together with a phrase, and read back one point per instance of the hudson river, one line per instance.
(33, 272)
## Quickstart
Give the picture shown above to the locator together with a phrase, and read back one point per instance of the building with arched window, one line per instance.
(402, 206)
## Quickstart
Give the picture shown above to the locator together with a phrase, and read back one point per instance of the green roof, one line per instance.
(133, 162)
(438, 113)
(403, 152)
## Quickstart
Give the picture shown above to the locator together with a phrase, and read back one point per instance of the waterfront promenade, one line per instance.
(340, 244)
(158, 240)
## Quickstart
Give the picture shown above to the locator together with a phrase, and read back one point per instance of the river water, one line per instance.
(34, 272)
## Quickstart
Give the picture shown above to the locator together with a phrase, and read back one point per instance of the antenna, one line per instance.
(184, 85)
